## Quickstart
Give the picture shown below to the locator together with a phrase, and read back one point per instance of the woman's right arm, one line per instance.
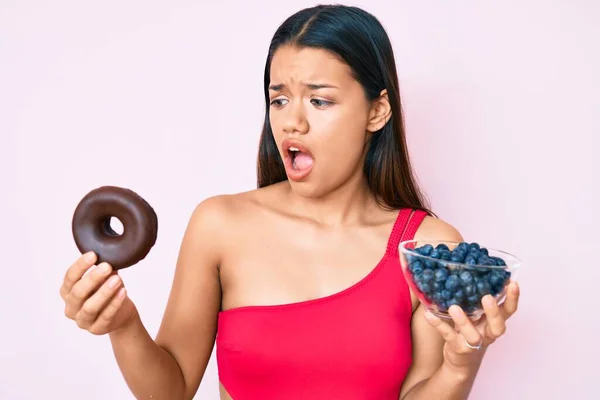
(172, 366)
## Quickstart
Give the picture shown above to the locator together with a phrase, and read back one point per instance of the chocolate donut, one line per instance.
(92, 231)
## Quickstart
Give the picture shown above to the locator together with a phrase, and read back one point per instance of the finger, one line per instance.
(466, 329)
(76, 271)
(82, 290)
(88, 313)
(512, 300)
(496, 325)
(107, 315)
(447, 332)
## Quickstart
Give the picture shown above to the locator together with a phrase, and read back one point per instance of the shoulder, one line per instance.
(433, 228)
(218, 214)
(210, 213)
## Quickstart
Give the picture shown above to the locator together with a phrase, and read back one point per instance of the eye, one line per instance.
(278, 102)
(321, 103)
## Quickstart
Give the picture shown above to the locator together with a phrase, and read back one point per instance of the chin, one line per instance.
(312, 188)
(308, 190)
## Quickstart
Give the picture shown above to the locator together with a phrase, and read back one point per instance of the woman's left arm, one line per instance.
(447, 354)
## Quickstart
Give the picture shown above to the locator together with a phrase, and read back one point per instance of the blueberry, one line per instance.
(426, 275)
(463, 246)
(441, 274)
(425, 287)
(425, 250)
(473, 250)
(416, 267)
(446, 284)
(459, 295)
(445, 255)
(474, 246)
(437, 298)
(470, 289)
(466, 277)
(499, 262)
(446, 294)
(474, 299)
(496, 279)
(481, 273)
(460, 250)
(483, 287)
(442, 246)
(452, 283)
(469, 308)
(453, 302)
(457, 257)
(470, 260)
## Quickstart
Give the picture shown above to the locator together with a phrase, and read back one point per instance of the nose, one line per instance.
(295, 119)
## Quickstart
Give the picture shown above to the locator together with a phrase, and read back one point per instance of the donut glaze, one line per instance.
(92, 231)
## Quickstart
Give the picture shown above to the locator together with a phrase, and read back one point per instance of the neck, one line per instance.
(347, 204)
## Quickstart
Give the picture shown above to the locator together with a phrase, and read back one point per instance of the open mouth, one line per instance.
(298, 161)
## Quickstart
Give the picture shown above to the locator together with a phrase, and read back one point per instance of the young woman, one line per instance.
(299, 281)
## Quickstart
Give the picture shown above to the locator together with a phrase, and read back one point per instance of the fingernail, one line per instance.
(89, 257)
(454, 311)
(103, 268)
(429, 316)
(113, 281)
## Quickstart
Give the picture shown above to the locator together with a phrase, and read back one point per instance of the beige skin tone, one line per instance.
(286, 243)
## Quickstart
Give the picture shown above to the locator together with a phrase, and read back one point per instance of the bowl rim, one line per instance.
(513, 266)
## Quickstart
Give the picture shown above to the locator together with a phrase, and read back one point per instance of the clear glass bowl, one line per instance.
(443, 273)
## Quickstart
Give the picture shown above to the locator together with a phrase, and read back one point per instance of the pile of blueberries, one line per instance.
(444, 280)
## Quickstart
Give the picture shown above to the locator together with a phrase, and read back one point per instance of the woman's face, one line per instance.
(321, 119)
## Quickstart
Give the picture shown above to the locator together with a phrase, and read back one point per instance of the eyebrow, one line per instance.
(311, 86)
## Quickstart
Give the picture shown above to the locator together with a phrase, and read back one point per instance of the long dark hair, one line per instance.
(360, 41)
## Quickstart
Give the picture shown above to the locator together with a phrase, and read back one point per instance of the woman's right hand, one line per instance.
(96, 301)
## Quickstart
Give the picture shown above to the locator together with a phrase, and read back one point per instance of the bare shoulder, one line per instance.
(433, 228)
(219, 215)
(219, 208)
(210, 213)
(207, 222)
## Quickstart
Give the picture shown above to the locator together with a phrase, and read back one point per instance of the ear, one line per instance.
(380, 113)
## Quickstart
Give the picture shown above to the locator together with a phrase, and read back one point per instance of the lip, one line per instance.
(287, 143)
(287, 160)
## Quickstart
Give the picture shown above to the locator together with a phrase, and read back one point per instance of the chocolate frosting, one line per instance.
(92, 231)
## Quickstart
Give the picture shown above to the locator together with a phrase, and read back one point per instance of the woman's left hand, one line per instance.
(466, 340)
